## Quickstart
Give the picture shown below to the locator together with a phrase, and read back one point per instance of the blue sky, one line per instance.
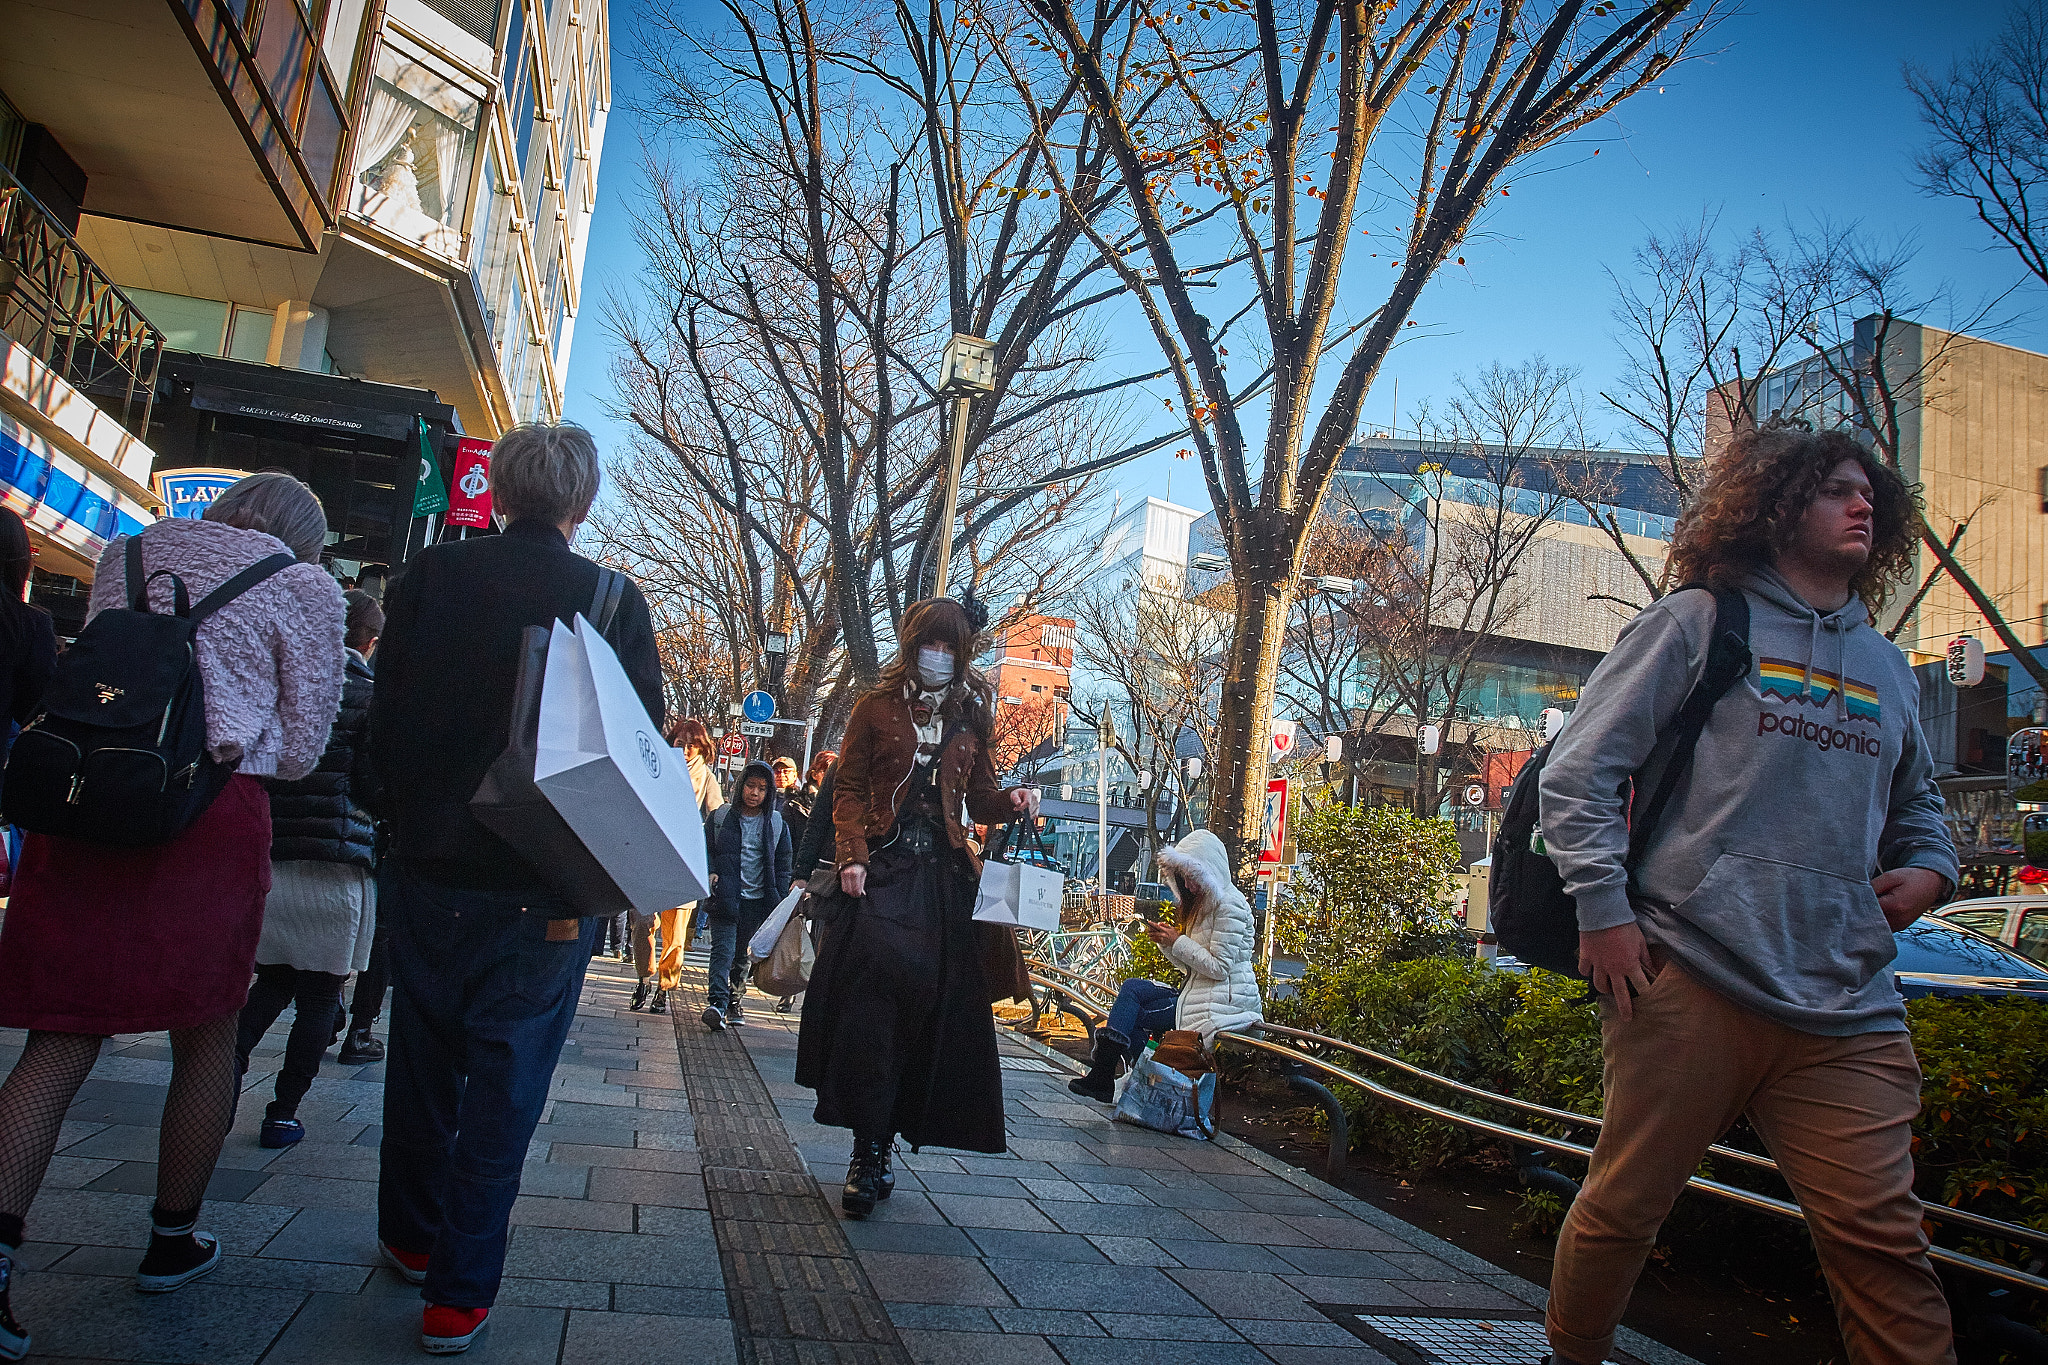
(1796, 109)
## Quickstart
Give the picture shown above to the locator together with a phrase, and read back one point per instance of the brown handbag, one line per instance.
(1181, 1049)
(1002, 963)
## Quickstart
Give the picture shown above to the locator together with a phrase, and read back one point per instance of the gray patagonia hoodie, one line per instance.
(1811, 777)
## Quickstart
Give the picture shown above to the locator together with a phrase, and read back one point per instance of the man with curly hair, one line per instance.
(1744, 959)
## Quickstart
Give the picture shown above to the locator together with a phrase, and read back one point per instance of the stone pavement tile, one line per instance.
(1001, 1187)
(330, 1160)
(901, 1277)
(550, 1178)
(643, 1078)
(1357, 1265)
(1209, 1160)
(122, 1220)
(1197, 1196)
(628, 1337)
(670, 1101)
(941, 1317)
(914, 1161)
(1357, 1353)
(904, 1206)
(1056, 1151)
(1226, 1256)
(338, 1236)
(1092, 1176)
(1352, 1234)
(139, 1177)
(76, 1172)
(1058, 1192)
(658, 1221)
(1046, 1322)
(1245, 1294)
(1253, 1181)
(868, 1235)
(1295, 1203)
(36, 1255)
(615, 1257)
(1436, 1294)
(646, 1187)
(583, 1135)
(1420, 1266)
(679, 1303)
(1134, 1159)
(251, 1272)
(118, 1142)
(616, 1116)
(100, 1317)
(665, 1142)
(1014, 1167)
(1153, 1327)
(1037, 1246)
(1365, 1293)
(980, 1211)
(315, 1192)
(540, 1211)
(626, 1158)
(1126, 1220)
(975, 1348)
(1111, 1288)
(1271, 1332)
(1257, 1229)
(1134, 1251)
(1131, 1351)
(1117, 1194)
(370, 1329)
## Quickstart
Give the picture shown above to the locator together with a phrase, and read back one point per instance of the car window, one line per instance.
(2034, 935)
(1935, 946)
(1990, 921)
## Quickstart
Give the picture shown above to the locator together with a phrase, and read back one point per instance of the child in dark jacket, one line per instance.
(751, 862)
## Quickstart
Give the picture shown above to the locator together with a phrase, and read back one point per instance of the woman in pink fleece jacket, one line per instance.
(101, 939)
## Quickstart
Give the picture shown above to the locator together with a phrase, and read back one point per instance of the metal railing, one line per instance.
(1298, 1048)
(58, 304)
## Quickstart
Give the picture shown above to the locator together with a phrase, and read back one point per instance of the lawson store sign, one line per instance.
(189, 492)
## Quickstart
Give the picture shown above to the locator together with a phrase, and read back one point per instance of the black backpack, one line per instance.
(1531, 915)
(117, 754)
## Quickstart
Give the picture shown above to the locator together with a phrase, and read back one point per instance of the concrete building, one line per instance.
(327, 236)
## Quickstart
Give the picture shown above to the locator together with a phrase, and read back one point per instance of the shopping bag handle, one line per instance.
(1003, 841)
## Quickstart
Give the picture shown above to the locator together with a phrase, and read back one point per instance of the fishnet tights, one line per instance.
(198, 1108)
(32, 1104)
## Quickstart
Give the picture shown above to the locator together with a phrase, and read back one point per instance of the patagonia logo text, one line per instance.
(1817, 733)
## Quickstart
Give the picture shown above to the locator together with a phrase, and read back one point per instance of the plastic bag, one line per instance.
(787, 969)
(764, 939)
(1156, 1096)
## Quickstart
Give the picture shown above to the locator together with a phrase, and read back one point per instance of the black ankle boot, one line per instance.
(1100, 1082)
(865, 1173)
(883, 1151)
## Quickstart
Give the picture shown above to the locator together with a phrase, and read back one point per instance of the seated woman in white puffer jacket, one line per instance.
(1212, 941)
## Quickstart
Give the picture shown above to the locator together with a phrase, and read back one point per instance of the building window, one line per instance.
(414, 151)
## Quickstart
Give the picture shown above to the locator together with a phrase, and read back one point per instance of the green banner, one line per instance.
(431, 495)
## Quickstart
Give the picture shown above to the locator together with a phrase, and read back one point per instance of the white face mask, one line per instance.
(934, 666)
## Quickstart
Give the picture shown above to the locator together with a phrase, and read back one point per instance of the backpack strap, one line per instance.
(1728, 660)
(239, 584)
(604, 603)
(138, 582)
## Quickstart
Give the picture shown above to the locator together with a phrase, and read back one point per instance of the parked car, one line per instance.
(2019, 922)
(1949, 960)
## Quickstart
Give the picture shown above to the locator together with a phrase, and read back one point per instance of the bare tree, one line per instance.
(1301, 126)
(1987, 117)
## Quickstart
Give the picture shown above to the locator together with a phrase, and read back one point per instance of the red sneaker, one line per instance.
(411, 1264)
(446, 1331)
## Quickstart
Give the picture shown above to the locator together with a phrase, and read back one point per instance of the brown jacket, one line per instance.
(875, 757)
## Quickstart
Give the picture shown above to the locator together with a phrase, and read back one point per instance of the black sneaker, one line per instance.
(658, 1002)
(639, 996)
(734, 1014)
(175, 1262)
(14, 1340)
(361, 1048)
(714, 1019)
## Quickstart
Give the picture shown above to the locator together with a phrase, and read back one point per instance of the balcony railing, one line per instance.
(55, 301)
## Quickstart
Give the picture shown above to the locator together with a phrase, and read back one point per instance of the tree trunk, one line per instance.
(1244, 719)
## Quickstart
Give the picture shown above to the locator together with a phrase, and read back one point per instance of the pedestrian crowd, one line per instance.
(1738, 934)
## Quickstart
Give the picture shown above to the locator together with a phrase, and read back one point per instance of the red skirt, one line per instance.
(100, 939)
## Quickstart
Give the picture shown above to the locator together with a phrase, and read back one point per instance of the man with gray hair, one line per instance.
(486, 962)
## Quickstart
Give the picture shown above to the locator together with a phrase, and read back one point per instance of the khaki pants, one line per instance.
(674, 924)
(1836, 1114)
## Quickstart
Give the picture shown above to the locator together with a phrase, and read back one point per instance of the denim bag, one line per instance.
(1158, 1097)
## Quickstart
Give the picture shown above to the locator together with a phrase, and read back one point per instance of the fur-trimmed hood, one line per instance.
(1216, 947)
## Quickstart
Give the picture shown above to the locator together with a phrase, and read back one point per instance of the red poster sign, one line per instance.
(1273, 834)
(735, 744)
(469, 499)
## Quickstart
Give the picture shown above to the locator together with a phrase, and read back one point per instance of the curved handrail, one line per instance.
(1765, 1203)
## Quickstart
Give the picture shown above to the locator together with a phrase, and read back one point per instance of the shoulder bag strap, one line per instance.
(138, 582)
(604, 602)
(1728, 660)
(239, 584)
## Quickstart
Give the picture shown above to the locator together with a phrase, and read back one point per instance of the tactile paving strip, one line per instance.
(1449, 1336)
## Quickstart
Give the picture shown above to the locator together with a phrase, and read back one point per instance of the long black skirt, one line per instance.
(897, 1036)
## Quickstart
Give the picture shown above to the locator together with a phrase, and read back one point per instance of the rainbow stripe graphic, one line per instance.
(1786, 680)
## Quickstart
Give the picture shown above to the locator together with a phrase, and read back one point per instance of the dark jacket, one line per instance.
(816, 844)
(445, 670)
(28, 655)
(323, 817)
(722, 840)
(876, 755)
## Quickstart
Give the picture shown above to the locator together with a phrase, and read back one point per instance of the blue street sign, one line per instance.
(758, 707)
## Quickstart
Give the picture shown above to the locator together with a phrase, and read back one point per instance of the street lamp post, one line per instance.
(969, 368)
(1105, 736)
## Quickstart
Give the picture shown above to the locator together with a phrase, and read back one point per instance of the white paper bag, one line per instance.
(763, 941)
(1019, 893)
(601, 762)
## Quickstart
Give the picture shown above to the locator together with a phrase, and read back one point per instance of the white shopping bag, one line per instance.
(1020, 894)
(763, 941)
(602, 764)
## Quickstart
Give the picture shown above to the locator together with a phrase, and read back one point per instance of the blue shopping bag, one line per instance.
(1158, 1097)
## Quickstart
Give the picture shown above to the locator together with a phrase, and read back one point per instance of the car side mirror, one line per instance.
(2026, 779)
(2034, 839)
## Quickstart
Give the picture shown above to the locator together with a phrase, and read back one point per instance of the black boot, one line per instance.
(640, 994)
(885, 1149)
(864, 1175)
(1100, 1082)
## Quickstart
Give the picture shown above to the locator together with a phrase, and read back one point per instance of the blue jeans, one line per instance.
(729, 956)
(484, 992)
(1143, 1010)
